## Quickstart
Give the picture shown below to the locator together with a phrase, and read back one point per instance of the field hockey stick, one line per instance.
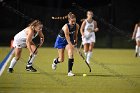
(33, 53)
(80, 53)
(80, 47)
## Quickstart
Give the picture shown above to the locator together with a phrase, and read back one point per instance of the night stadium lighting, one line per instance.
(59, 17)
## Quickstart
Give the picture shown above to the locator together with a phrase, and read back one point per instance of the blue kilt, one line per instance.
(60, 42)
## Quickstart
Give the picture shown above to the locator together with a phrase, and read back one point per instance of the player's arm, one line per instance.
(41, 35)
(66, 32)
(82, 28)
(76, 34)
(95, 27)
(135, 31)
(29, 40)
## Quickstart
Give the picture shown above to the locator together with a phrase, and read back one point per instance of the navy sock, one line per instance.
(56, 61)
(70, 64)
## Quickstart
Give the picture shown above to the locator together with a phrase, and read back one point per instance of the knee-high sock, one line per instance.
(89, 56)
(70, 64)
(13, 62)
(56, 61)
(137, 49)
(86, 54)
(31, 61)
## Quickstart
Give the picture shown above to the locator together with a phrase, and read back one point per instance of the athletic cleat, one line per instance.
(136, 55)
(10, 70)
(88, 62)
(70, 74)
(30, 68)
(54, 66)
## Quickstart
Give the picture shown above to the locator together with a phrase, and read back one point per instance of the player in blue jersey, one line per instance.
(67, 39)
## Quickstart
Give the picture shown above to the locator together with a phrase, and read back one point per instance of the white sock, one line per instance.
(31, 61)
(13, 62)
(136, 49)
(86, 54)
(89, 56)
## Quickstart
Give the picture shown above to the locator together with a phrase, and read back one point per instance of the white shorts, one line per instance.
(90, 38)
(137, 39)
(137, 36)
(19, 43)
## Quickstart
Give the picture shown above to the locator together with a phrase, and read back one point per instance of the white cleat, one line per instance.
(54, 66)
(88, 62)
(70, 74)
(139, 55)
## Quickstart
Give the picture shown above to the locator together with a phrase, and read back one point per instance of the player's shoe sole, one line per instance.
(136, 55)
(88, 62)
(30, 68)
(70, 74)
(54, 66)
(10, 70)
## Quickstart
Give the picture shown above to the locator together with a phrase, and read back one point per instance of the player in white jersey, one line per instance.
(136, 36)
(88, 29)
(23, 39)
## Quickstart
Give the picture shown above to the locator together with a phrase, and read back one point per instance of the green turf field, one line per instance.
(113, 71)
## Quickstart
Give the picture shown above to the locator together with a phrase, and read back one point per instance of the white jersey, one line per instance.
(89, 34)
(20, 38)
(89, 27)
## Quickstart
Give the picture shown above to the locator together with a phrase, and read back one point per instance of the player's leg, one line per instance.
(92, 41)
(70, 51)
(86, 49)
(59, 59)
(29, 66)
(137, 48)
(86, 45)
(89, 54)
(17, 52)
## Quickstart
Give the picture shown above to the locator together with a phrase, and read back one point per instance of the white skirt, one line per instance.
(137, 39)
(89, 38)
(138, 36)
(19, 43)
